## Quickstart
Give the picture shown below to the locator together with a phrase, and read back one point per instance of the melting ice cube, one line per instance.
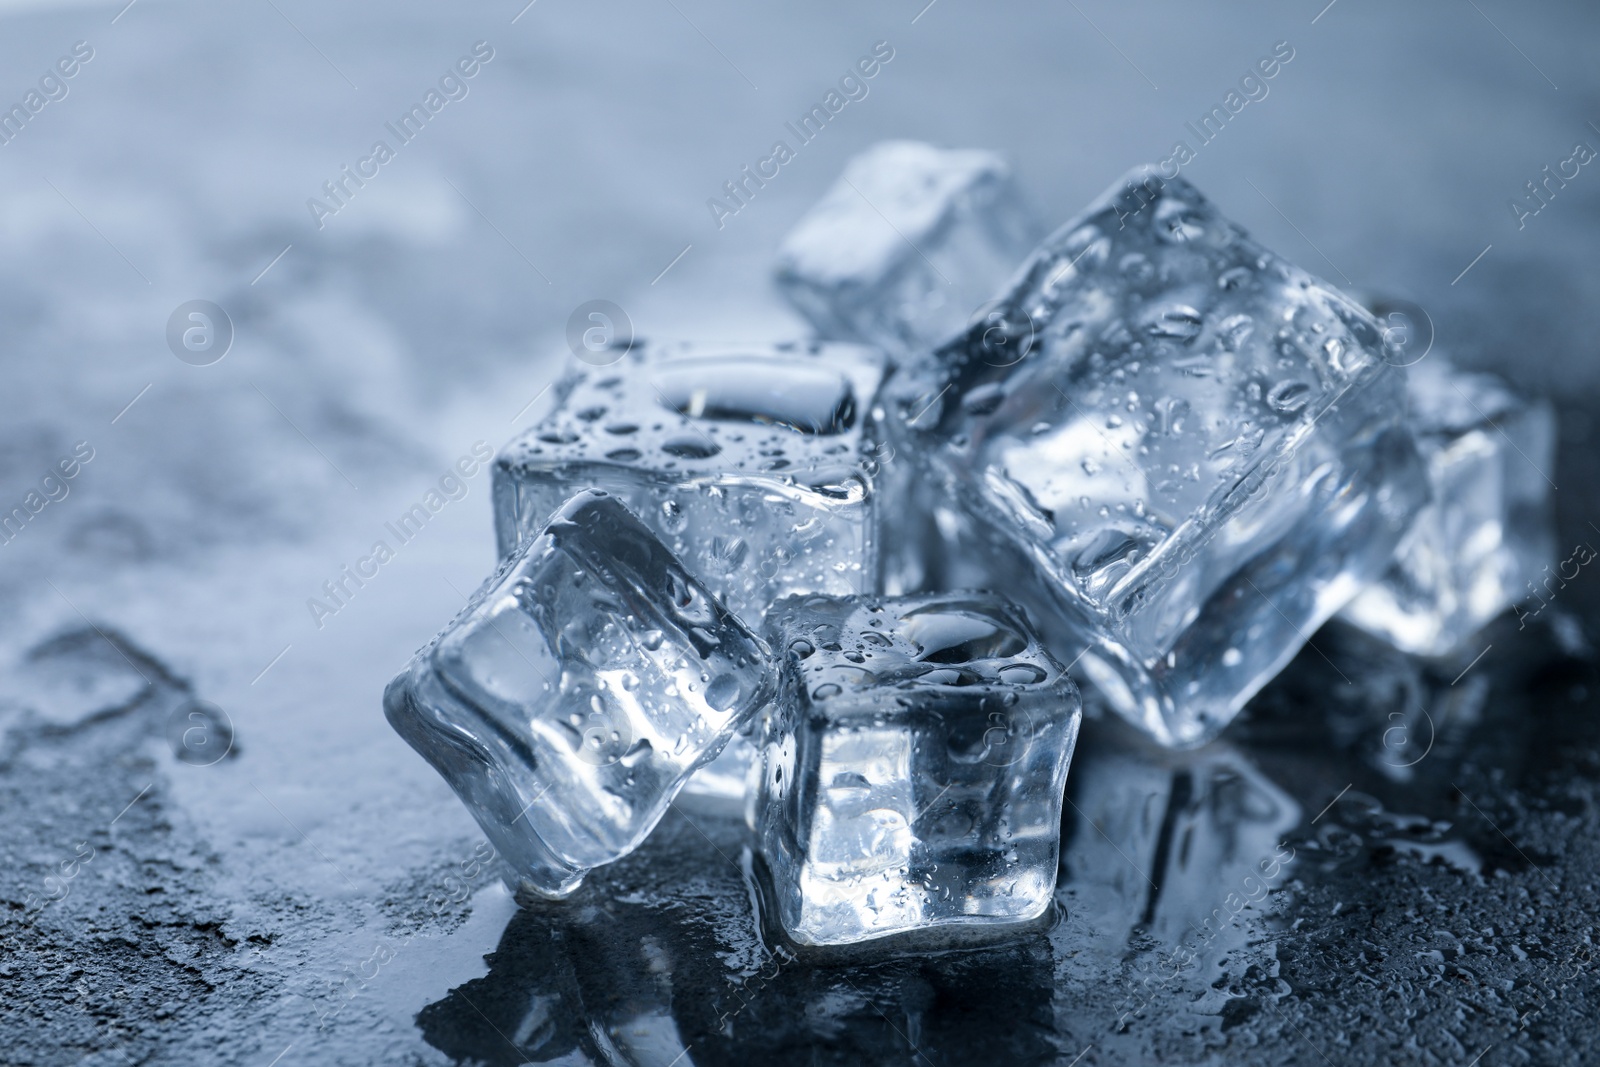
(1183, 452)
(907, 246)
(912, 766)
(576, 693)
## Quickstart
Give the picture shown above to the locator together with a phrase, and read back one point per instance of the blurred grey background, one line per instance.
(228, 906)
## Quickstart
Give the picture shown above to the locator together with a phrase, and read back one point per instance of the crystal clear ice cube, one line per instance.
(755, 465)
(1475, 550)
(912, 766)
(1181, 451)
(577, 691)
(906, 246)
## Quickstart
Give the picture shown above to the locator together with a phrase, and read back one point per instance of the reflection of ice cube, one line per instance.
(1196, 447)
(756, 467)
(583, 684)
(1162, 844)
(906, 246)
(1476, 549)
(912, 768)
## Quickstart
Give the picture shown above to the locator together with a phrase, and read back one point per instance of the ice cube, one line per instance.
(912, 766)
(1475, 550)
(906, 246)
(577, 691)
(755, 465)
(1195, 448)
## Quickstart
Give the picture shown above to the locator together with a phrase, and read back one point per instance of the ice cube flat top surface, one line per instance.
(1166, 355)
(913, 767)
(755, 465)
(890, 198)
(583, 684)
(790, 412)
(875, 651)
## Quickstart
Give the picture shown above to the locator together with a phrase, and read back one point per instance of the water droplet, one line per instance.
(723, 691)
(953, 676)
(623, 455)
(984, 399)
(1235, 330)
(823, 692)
(1233, 278)
(946, 636)
(1335, 350)
(1170, 411)
(1177, 221)
(812, 400)
(1021, 674)
(651, 639)
(691, 446)
(558, 437)
(622, 429)
(1289, 396)
(1178, 321)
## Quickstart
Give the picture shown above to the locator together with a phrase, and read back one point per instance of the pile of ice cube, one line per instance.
(757, 575)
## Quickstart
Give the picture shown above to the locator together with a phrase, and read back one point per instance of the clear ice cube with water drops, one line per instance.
(756, 466)
(1479, 547)
(587, 679)
(909, 243)
(912, 767)
(1194, 449)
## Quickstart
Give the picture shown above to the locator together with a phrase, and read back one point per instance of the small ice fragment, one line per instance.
(1479, 547)
(912, 766)
(906, 246)
(578, 690)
